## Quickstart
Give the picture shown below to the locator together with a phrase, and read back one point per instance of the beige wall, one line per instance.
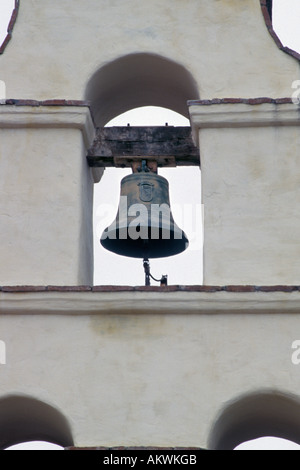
(76, 54)
(46, 196)
(225, 45)
(124, 372)
(150, 369)
(250, 189)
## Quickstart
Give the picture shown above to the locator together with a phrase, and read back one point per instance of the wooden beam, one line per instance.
(122, 146)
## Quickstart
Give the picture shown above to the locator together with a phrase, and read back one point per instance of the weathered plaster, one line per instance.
(46, 194)
(204, 37)
(147, 368)
(250, 182)
(127, 366)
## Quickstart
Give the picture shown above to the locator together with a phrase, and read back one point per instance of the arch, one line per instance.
(268, 443)
(267, 413)
(24, 419)
(136, 80)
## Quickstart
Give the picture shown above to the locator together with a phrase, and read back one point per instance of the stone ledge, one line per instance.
(203, 102)
(171, 288)
(53, 102)
(152, 300)
(235, 113)
(249, 101)
(49, 114)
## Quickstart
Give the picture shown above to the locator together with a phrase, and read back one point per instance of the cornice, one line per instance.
(167, 300)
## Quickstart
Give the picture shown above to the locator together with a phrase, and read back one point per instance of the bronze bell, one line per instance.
(144, 226)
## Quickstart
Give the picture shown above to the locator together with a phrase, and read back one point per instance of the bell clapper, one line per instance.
(163, 281)
(147, 271)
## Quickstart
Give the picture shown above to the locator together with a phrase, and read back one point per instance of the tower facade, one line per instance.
(174, 366)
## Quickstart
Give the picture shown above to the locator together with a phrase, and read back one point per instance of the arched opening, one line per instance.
(137, 80)
(185, 268)
(25, 419)
(268, 443)
(259, 415)
(35, 445)
(146, 90)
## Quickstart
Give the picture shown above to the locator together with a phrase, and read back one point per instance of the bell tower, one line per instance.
(190, 366)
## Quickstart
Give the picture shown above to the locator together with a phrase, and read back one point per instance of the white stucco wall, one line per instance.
(124, 372)
(225, 45)
(250, 189)
(46, 195)
(223, 49)
(139, 369)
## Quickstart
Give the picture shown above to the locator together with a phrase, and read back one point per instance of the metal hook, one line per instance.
(163, 281)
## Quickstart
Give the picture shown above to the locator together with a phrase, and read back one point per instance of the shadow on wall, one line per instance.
(266, 413)
(137, 80)
(25, 419)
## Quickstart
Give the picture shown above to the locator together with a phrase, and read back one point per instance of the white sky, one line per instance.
(6, 7)
(185, 189)
(181, 269)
